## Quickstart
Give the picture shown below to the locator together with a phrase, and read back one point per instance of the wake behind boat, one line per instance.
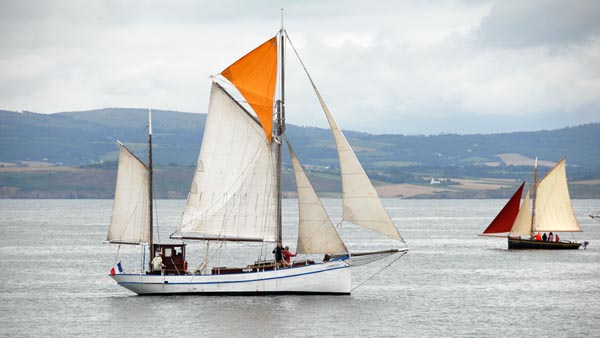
(236, 196)
(551, 212)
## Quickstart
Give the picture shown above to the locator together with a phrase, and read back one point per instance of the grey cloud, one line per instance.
(518, 23)
(390, 66)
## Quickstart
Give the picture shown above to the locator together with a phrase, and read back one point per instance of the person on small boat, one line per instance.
(544, 237)
(538, 237)
(556, 238)
(287, 255)
(278, 251)
(551, 237)
(157, 264)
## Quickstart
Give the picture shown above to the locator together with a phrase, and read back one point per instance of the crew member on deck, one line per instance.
(157, 264)
(538, 237)
(278, 251)
(544, 237)
(287, 254)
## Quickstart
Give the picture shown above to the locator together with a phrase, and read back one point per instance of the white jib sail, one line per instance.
(362, 205)
(233, 194)
(522, 225)
(316, 233)
(553, 209)
(130, 221)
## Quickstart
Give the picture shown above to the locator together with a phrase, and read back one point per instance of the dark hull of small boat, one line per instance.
(515, 243)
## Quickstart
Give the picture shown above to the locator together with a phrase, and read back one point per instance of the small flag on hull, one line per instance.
(117, 269)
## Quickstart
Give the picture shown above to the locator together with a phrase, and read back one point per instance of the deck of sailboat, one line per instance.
(518, 243)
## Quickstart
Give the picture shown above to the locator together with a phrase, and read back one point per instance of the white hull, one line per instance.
(323, 278)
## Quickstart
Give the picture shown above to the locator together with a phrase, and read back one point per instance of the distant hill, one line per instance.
(73, 154)
(87, 137)
(80, 138)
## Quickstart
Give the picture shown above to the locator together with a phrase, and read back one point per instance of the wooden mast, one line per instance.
(150, 173)
(280, 128)
(534, 194)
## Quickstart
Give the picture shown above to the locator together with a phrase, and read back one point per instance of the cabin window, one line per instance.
(168, 252)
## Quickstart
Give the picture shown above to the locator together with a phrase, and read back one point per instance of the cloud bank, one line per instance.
(410, 67)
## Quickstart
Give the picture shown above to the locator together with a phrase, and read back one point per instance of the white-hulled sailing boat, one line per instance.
(550, 211)
(236, 196)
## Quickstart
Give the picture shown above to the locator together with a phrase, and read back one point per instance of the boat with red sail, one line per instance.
(548, 211)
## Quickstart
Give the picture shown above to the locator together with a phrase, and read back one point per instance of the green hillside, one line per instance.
(81, 138)
(79, 150)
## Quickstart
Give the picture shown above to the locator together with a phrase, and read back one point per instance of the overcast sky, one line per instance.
(403, 67)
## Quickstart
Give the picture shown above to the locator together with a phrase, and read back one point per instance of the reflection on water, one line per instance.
(452, 283)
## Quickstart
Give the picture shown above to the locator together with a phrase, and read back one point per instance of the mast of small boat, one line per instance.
(150, 197)
(280, 128)
(535, 170)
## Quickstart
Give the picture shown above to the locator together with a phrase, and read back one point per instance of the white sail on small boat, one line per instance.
(550, 211)
(236, 196)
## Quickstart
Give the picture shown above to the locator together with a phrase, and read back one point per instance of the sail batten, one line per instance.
(130, 221)
(316, 233)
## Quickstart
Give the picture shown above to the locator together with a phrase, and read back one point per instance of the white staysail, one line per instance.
(522, 225)
(130, 222)
(316, 233)
(233, 194)
(362, 205)
(553, 209)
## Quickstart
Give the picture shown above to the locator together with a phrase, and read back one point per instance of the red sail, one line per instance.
(506, 218)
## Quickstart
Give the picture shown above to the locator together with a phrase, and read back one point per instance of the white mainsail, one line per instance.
(522, 224)
(553, 209)
(233, 193)
(316, 233)
(130, 222)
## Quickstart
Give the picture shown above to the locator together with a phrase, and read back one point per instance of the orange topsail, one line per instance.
(254, 75)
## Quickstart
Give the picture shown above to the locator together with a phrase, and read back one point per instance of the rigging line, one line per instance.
(136, 144)
(117, 254)
(376, 273)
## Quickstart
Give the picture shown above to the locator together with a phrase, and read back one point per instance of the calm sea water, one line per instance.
(453, 283)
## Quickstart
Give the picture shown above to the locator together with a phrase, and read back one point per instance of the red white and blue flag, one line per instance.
(117, 269)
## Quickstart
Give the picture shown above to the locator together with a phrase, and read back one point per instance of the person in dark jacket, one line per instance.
(278, 251)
